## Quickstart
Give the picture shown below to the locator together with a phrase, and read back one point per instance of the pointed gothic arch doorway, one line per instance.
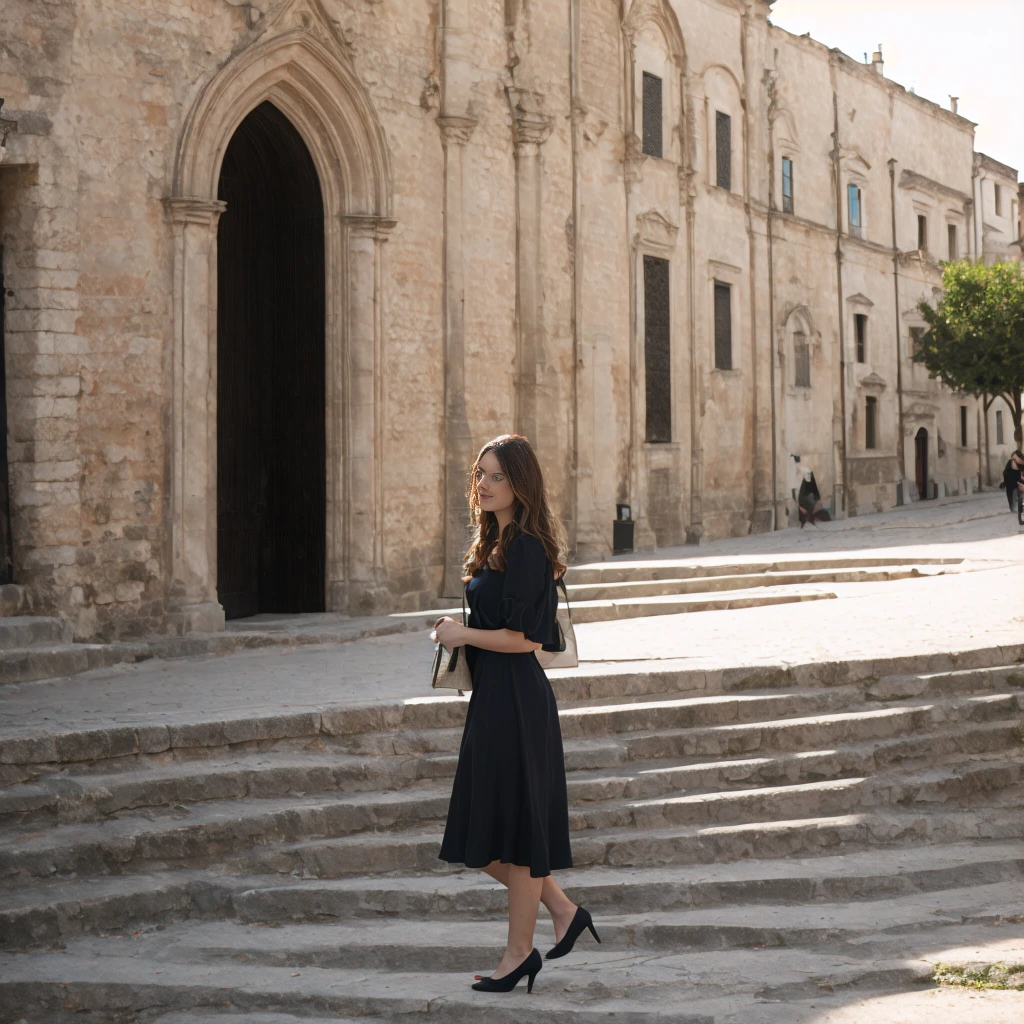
(921, 463)
(271, 423)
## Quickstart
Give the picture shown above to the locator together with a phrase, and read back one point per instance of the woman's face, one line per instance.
(492, 486)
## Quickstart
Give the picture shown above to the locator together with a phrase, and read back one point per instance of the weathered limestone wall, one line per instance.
(489, 209)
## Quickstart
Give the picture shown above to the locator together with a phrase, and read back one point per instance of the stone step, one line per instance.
(616, 719)
(792, 735)
(608, 609)
(196, 834)
(406, 851)
(623, 986)
(66, 799)
(426, 945)
(49, 912)
(607, 591)
(627, 571)
(882, 872)
(44, 660)
(33, 631)
(23, 751)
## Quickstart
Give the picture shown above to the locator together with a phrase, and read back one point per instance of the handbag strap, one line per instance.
(465, 587)
(565, 593)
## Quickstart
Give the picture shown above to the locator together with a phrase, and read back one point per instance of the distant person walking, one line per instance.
(812, 508)
(1012, 475)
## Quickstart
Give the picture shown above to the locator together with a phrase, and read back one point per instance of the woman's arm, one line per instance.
(451, 634)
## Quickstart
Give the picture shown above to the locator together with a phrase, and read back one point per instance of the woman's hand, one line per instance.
(448, 632)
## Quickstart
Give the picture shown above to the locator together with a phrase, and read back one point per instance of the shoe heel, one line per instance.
(593, 931)
(529, 984)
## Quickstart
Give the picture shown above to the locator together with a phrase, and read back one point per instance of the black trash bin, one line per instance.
(622, 530)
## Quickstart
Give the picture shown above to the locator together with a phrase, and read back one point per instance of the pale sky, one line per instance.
(967, 48)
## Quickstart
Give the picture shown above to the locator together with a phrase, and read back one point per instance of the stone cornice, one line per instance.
(913, 180)
(6, 126)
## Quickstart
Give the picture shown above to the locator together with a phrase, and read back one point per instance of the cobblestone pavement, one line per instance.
(962, 611)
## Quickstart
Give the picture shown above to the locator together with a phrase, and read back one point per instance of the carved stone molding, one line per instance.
(531, 129)
(634, 158)
(378, 228)
(456, 130)
(6, 127)
(193, 210)
(655, 232)
(872, 382)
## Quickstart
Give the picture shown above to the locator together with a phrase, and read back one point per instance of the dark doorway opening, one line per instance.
(921, 463)
(271, 429)
(6, 543)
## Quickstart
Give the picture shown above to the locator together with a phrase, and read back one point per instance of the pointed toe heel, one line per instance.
(528, 969)
(580, 923)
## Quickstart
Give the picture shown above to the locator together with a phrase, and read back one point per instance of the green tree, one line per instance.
(975, 337)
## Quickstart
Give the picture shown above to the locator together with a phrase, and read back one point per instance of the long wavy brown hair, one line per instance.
(530, 515)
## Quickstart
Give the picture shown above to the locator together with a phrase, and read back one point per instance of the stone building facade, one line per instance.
(275, 269)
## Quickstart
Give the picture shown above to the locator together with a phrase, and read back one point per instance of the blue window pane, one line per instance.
(787, 185)
(854, 194)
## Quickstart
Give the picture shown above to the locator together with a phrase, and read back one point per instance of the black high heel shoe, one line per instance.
(529, 967)
(580, 922)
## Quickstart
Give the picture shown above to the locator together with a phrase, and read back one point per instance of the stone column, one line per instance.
(358, 585)
(458, 441)
(530, 131)
(192, 597)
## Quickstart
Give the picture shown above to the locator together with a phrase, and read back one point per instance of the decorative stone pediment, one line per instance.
(872, 382)
(655, 231)
(859, 299)
(853, 161)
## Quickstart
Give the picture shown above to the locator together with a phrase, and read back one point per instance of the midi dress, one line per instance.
(509, 799)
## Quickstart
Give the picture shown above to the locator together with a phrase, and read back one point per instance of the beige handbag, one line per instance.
(451, 670)
(565, 656)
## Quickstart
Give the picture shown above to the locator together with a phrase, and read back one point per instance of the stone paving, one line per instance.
(781, 815)
(957, 612)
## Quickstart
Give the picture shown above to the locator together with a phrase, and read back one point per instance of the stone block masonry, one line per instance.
(488, 209)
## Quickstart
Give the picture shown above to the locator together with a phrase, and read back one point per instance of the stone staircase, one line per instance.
(619, 589)
(754, 845)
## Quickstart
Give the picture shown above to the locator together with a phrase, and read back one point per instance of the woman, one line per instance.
(812, 509)
(509, 812)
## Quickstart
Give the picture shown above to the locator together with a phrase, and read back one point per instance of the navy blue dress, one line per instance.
(509, 799)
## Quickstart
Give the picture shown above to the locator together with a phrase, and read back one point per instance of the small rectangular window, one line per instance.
(652, 115)
(802, 361)
(854, 199)
(922, 232)
(871, 422)
(999, 201)
(953, 253)
(723, 326)
(999, 426)
(963, 426)
(916, 334)
(860, 326)
(787, 185)
(723, 149)
(657, 350)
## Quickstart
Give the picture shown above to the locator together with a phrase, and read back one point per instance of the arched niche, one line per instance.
(300, 64)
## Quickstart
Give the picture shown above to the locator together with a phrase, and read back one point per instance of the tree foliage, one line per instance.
(975, 337)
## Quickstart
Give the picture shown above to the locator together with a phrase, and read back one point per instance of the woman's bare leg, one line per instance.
(559, 906)
(523, 902)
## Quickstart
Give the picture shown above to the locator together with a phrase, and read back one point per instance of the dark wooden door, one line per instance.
(271, 443)
(921, 463)
(6, 543)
